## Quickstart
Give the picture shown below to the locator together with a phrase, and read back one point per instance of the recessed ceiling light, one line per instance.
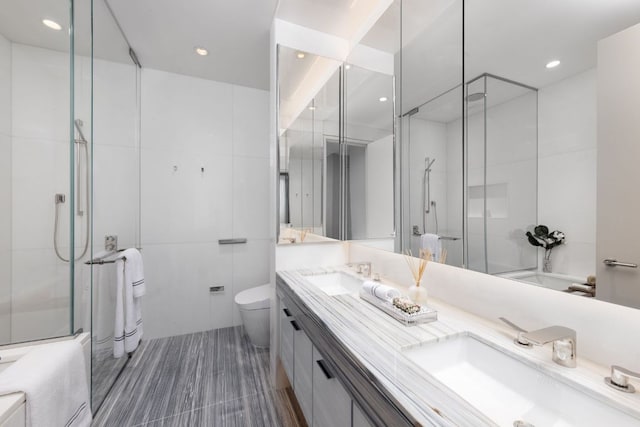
(311, 107)
(383, 99)
(300, 55)
(52, 24)
(347, 67)
(553, 64)
(201, 51)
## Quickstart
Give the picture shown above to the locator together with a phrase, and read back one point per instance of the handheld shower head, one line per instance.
(78, 123)
(428, 164)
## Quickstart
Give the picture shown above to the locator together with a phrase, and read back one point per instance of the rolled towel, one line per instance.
(378, 290)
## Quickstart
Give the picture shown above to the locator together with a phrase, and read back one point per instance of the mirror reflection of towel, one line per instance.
(431, 242)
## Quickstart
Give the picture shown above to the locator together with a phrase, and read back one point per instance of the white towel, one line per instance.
(378, 290)
(54, 380)
(432, 243)
(130, 288)
(104, 300)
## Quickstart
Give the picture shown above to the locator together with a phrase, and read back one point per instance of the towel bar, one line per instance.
(232, 241)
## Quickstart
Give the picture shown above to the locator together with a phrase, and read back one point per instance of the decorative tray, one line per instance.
(425, 315)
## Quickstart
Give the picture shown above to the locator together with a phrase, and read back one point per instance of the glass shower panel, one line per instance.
(475, 131)
(116, 185)
(37, 167)
(511, 175)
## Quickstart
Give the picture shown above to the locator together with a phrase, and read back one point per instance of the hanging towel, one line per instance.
(432, 243)
(104, 301)
(53, 378)
(130, 289)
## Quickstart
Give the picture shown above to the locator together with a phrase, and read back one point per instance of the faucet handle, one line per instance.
(519, 340)
(619, 379)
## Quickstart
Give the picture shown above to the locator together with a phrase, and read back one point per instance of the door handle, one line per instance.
(615, 263)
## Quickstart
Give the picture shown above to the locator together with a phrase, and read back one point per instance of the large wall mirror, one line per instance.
(523, 164)
(549, 98)
(336, 147)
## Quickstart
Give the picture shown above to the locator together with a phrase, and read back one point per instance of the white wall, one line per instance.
(379, 200)
(192, 123)
(567, 170)
(5, 190)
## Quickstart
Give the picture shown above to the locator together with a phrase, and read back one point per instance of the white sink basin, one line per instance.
(335, 283)
(507, 390)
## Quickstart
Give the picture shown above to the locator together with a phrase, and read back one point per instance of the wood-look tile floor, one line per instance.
(213, 378)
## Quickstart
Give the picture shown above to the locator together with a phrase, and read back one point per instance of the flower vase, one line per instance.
(418, 294)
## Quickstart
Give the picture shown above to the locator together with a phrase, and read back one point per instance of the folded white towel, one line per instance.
(130, 288)
(378, 290)
(432, 243)
(54, 380)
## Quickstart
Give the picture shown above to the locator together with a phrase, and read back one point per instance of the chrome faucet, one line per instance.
(564, 342)
(363, 268)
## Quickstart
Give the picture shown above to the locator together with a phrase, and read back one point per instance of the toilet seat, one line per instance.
(254, 298)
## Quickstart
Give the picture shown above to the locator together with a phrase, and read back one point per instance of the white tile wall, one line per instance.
(193, 124)
(40, 93)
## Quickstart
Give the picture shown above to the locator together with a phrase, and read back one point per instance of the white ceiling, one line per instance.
(164, 33)
(510, 38)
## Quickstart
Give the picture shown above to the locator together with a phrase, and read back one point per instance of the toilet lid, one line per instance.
(254, 298)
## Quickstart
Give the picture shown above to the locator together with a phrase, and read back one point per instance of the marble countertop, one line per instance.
(378, 341)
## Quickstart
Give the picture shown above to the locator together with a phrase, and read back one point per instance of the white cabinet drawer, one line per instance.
(359, 419)
(331, 403)
(302, 378)
(286, 342)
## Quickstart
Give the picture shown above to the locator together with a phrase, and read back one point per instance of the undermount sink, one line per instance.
(335, 283)
(508, 391)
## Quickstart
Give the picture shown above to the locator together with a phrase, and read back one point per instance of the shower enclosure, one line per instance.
(44, 211)
(69, 172)
(480, 196)
(501, 164)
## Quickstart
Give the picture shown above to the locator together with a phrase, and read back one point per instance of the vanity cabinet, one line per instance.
(331, 403)
(358, 418)
(321, 396)
(286, 340)
(303, 371)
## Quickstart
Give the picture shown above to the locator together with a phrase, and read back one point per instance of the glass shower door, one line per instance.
(39, 215)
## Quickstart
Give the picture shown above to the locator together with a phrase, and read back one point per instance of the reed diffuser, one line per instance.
(303, 234)
(417, 266)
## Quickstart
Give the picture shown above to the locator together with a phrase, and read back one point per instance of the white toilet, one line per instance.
(254, 307)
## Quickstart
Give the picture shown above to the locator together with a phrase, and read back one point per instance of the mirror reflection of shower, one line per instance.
(427, 203)
(82, 192)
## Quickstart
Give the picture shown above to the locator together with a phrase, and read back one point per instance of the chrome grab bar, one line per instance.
(232, 241)
(616, 263)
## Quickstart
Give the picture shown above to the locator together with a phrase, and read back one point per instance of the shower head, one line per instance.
(473, 97)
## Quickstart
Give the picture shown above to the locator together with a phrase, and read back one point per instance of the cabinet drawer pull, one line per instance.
(286, 312)
(324, 369)
(295, 325)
